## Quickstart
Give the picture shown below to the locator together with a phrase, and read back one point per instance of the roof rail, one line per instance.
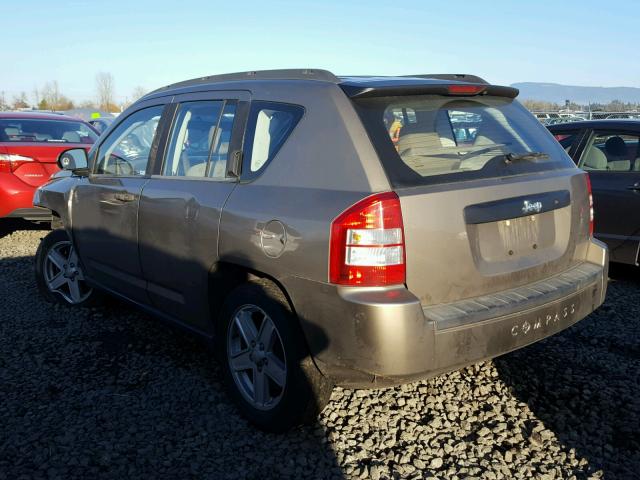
(283, 74)
(459, 77)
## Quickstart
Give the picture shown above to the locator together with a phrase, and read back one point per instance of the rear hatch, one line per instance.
(489, 200)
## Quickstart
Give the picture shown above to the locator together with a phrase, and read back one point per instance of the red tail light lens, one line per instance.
(465, 89)
(9, 162)
(591, 216)
(367, 243)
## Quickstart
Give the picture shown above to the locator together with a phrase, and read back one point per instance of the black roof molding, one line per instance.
(354, 86)
(459, 77)
(282, 74)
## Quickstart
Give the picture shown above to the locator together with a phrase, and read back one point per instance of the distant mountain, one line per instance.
(554, 92)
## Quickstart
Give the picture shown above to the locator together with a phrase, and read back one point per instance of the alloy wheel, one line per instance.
(63, 274)
(256, 357)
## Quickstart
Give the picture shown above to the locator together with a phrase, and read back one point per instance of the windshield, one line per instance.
(425, 139)
(45, 131)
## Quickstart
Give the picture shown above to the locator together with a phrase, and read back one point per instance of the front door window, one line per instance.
(126, 151)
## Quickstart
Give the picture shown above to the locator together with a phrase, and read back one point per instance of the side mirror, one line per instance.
(73, 159)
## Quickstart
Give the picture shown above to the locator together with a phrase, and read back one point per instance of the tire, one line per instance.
(284, 359)
(59, 275)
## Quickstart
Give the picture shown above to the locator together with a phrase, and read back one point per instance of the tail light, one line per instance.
(9, 162)
(591, 216)
(367, 243)
(465, 89)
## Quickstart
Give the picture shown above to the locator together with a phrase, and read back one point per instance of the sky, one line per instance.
(151, 43)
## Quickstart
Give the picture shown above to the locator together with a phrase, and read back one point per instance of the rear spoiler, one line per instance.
(433, 87)
(459, 77)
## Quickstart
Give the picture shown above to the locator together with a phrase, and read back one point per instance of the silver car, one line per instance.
(323, 230)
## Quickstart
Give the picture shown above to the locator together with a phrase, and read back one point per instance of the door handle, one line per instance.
(635, 186)
(124, 197)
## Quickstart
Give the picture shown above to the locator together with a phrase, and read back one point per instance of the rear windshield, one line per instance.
(45, 131)
(426, 139)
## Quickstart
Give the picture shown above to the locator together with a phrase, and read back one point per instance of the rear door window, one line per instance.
(268, 128)
(199, 145)
(456, 139)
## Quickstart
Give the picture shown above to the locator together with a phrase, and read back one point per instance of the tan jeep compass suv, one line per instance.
(323, 230)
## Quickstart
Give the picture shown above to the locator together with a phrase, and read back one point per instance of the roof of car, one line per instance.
(36, 115)
(352, 84)
(600, 123)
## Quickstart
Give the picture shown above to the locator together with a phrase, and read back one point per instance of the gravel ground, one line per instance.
(112, 393)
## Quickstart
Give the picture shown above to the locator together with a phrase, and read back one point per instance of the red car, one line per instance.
(29, 147)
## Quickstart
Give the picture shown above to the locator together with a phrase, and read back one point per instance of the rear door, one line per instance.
(612, 159)
(490, 200)
(105, 207)
(181, 204)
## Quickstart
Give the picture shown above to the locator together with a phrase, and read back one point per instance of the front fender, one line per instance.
(56, 196)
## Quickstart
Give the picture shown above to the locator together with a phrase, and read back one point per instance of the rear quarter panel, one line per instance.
(327, 164)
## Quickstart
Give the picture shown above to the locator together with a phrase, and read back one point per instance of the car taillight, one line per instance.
(9, 162)
(367, 243)
(589, 191)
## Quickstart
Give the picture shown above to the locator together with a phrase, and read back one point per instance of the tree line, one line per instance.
(49, 97)
(613, 106)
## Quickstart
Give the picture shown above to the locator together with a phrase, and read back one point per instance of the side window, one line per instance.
(612, 152)
(191, 139)
(270, 124)
(200, 139)
(567, 138)
(126, 150)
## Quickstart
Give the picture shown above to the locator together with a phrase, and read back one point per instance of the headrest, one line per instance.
(71, 137)
(421, 143)
(595, 159)
(615, 146)
(198, 124)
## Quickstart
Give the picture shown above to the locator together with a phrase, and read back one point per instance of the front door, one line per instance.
(181, 204)
(612, 159)
(105, 206)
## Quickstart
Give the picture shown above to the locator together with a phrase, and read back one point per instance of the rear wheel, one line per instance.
(59, 275)
(267, 366)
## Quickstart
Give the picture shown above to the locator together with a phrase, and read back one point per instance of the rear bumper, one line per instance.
(14, 195)
(379, 337)
(33, 213)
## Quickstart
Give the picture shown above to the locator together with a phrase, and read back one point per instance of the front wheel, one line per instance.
(59, 275)
(267, 366)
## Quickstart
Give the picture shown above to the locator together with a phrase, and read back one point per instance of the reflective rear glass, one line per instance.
(423, 139)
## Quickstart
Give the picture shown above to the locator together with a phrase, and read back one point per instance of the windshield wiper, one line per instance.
(514, 157)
